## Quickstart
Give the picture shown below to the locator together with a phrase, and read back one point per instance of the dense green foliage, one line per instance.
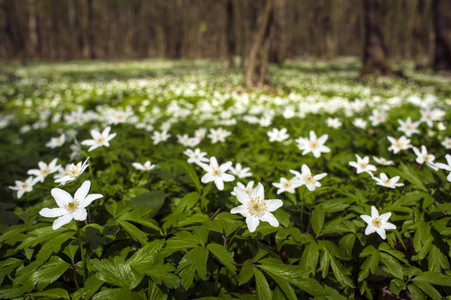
(164, 234)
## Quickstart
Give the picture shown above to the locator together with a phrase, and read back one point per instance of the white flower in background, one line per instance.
(147, 166)
(441, 126)
(427, 117)
(447, 143)
(446, 167)
(255, 208)
(424, 157)
(71, 172)
(70, 207)
(377, 223)
(310, 180)
(363, 165)
(23, 187)
(383, 161)
(160, 136)
(334, 122)
(358, 105)
(277, 135)
(76, 150)
(383, 180)
(114, 116)
(314, 145)
(378, 117)
(56, 141)
(397, 145)
(239, 171)
(44, 170)
(247, 188)
(99, 139)
(217, 173)
(286, 185)
(218, 135)
(360, 123)
(200, 134)
(196, 156)
(408, 127)
(186, 141)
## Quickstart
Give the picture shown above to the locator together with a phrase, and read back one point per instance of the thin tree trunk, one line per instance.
(230, 34)
(32, 29)
(258, 42)
(442, 26)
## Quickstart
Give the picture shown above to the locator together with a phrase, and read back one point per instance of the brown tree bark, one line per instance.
(230, 34)
(442, 28)
(12, 28)
(255, 60)
(87, 26)
(374, 50)
(32, 29)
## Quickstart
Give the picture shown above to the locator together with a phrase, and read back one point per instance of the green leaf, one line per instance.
(95, 237)
(117, 272)
(49, 272)
(187, 202)
(188, 170)
(397, 285)
(416, 292)
(246, 273)
(347, 244)
(92, 284)
(408, 174)
(164, 274)
(262, 287)
(392, 266)
(119, 293)
(14, 292)
(340, 272)
(40, 235)
(8, 266)
(224, 256)
(151, 200)
(434, 278)
(155, 292)
(135, 233)
(317, 220)
(284, 286)
(437, 260)
(194, 260)
(371, 262)
(428, 289)
(145, 257)
(310, 256)
(56, 293)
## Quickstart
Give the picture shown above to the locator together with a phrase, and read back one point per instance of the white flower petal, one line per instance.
(82, 191)
(219, 183)
(61, 197)
(274, 204)
(367, 219)
(258, 192)
(61, 221)
(242, 209)
(370, 229)
(52, 212)
(80, 214)
(88, 200)
(252, 222)
(374, 212)
(269, 217)
(241, 195)
(381, 232)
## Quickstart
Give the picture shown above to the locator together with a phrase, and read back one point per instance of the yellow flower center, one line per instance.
(377, 222)
(72, 206)
(257, 206)
(217, 172)
(100, 140)
(313, 145)
(363, 165)
(287, 184)
(309, 179)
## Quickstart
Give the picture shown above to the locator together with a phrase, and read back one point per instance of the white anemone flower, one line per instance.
(247, 188)
(408, 127)
(363, 165)
(378, 117)
(72, 172)
(44, 170)
(377, 223)
(286, 185)
(217, 173)
(383, 180)
(397, 145)
(277, 135)
(147, 166)
(310, 180)
(255, 208)
(99, 139)
(383, 161)
(23, 187)
(239, 171)
(424, 157)
(160, 136)
(196, 156)
(447, 143)
(314, 144)
(70, 207)
(56, 141)
(218, 135)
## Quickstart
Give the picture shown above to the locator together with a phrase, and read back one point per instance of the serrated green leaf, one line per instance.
(41, 235)
(164, 274)
(334, 206)
(416, 292)
(56, 293)
(317, 220)
(94, 236)
(8, 266)
(437, 260)
(370, 264)
(392, 266)
(53, 245)
(284, 286)
(310, 256)
(194, 260)
(246, 273)
(311, 286)
(151, 200)
(397, 285)
(12, 293)
(135, 233)
(118, 293)
(145, 257)
(408, 174)
(262, 288)
(224, 256)
(117, 272)
(340, 272)
(92, 284)
(155, 292)
(428, 289)
(188, 201)
(49, 272)
(347, 244)
(433, 278)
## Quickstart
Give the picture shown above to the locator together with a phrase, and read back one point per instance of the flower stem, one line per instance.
(302, 207)
(217, 281)
(81, 253)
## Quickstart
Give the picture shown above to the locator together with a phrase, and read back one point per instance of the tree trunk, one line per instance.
(231, 45)
(442, 27)
(374, 50)
(32, 29)
(87, 24)
(262, 34)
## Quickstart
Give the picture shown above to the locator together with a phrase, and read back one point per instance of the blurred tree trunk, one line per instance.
(258, 57)
(231, 36)
(12, 28)
(87, 26)
(74, 28)
(374, 50)
(277, 44)
(442, 27)
(32, 29)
